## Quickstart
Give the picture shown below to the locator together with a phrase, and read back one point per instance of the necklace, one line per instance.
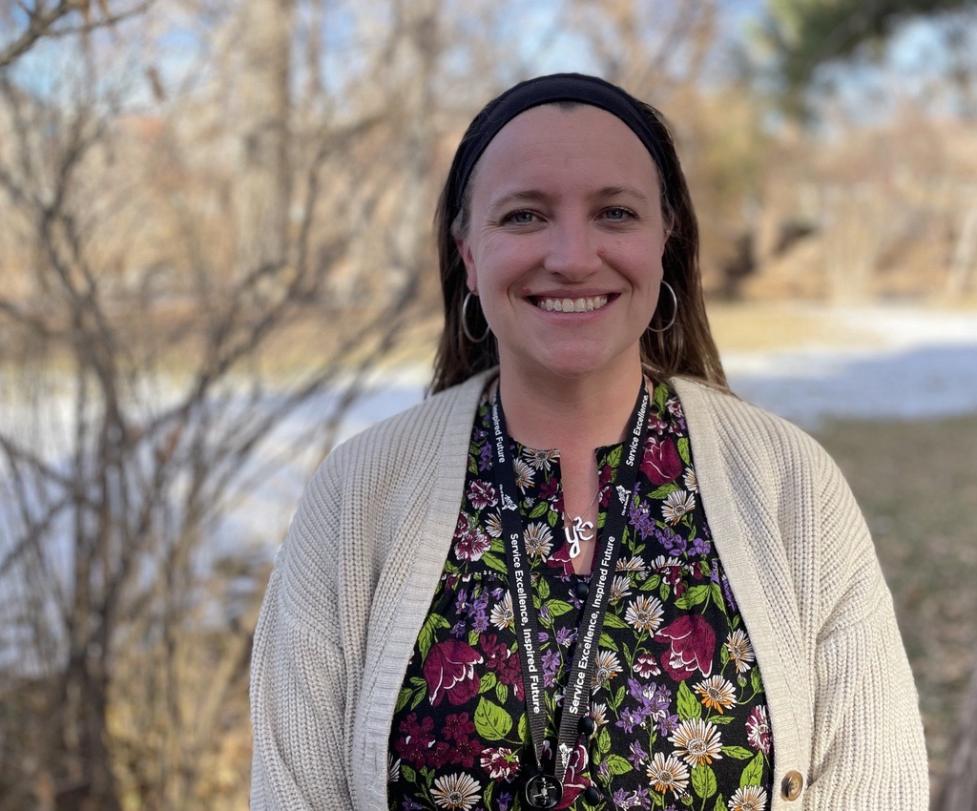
(580, 530)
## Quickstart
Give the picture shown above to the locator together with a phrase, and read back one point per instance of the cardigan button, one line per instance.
(582, 589)
(592, 795)
(791, 785)
(587, 725)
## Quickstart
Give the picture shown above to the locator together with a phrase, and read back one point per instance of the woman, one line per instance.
(581, 574)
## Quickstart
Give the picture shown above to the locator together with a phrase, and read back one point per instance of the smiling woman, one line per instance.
(581, 574)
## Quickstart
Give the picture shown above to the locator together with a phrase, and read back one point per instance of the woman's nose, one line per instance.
(572, 251)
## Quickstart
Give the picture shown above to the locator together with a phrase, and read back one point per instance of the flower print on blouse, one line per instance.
(678, 707)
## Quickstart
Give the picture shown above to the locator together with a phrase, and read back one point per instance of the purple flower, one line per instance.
(641, 519)
(637, 755)
(551, 664)
(565, 637)
(672, 542)
(700, 547)
(504, 800)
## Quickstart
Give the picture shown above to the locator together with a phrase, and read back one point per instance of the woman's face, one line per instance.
(565, 241)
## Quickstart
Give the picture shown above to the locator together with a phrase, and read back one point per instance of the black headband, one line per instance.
(545, 90)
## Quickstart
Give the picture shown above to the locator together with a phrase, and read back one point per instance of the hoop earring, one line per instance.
(464, 321)
(671, 290)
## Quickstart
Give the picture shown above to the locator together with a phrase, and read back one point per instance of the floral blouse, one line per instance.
(678, 707)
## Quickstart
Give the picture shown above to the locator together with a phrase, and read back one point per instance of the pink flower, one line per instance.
(450, 671)
(661, 462)
(692, 645)
(501, 763)
(577, 777)
(482, 494)
(758, 729)
(645, 666)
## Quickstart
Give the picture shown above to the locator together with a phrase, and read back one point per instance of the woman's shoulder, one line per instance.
(737, 427)
(415, 433)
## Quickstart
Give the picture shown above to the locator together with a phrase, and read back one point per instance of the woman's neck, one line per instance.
(569, 413)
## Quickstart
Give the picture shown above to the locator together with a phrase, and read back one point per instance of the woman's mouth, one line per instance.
(583, 304)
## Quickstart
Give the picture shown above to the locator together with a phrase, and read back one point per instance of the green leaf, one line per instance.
(619, 697)
(724, 655)
(552, 517)
(426, 636)
(523, 729)
(417, 681)
(491, 721)
(543, 588)
(618, 765)
(614, 621)
(601, 519)
(720, 804)
(403, 697)
(737, 752)
(693, 596)
(662, 491)
(418, 697)
(717, 597)
(688, 705)
(558, 608)
(720, 719)
(487, 683)
(495, 563)
(753, 773)
(663, 591)
(604, 740)
(541, 508)
(705, 568)
(497, 546)
(502, 691)
(614, 457)
(683, 450)
(605, 641)
(408, 773)
(756, 683)
(661, 397)
(704, 781)
(473, 637)
(652, 583)
(487, 794)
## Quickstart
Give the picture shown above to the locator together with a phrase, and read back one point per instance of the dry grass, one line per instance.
(917, 485)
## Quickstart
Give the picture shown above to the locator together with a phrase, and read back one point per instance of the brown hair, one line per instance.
(685, 348)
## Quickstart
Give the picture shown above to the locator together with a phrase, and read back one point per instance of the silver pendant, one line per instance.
(581, 531)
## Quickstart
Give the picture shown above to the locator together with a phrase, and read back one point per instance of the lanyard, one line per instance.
(545, 790)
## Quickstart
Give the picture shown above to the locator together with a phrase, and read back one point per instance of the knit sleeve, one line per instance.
(298, 668)
(868, 747)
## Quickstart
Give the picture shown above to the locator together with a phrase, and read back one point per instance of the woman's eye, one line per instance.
(519, 217)
(618, 214)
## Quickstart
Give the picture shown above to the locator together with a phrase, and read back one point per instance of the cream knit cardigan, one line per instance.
(354, 579)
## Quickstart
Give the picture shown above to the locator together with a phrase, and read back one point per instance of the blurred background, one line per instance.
(216, 261)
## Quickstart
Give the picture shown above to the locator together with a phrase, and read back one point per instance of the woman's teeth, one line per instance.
(571, 305)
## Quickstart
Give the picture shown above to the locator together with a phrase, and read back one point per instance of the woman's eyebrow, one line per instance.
(615, 191)
(522, 196)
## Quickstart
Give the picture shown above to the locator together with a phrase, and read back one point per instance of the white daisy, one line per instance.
(691, 480)
(668, 774)
(607, 667)
(539, 539)
(493, 525)
(393, 768)
(677, 504)
(644, 613)
(697, 741)
(501, 616)
(635, 563)
(661, 563)
(457, 790)
(540, 459)
(740, 650)
(620, 588)
(523, 474)
(748, 798)
(716, 693)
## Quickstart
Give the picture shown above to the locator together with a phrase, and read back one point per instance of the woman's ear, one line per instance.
(465, 252)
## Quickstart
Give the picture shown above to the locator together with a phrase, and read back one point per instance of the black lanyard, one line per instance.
(543, 790)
